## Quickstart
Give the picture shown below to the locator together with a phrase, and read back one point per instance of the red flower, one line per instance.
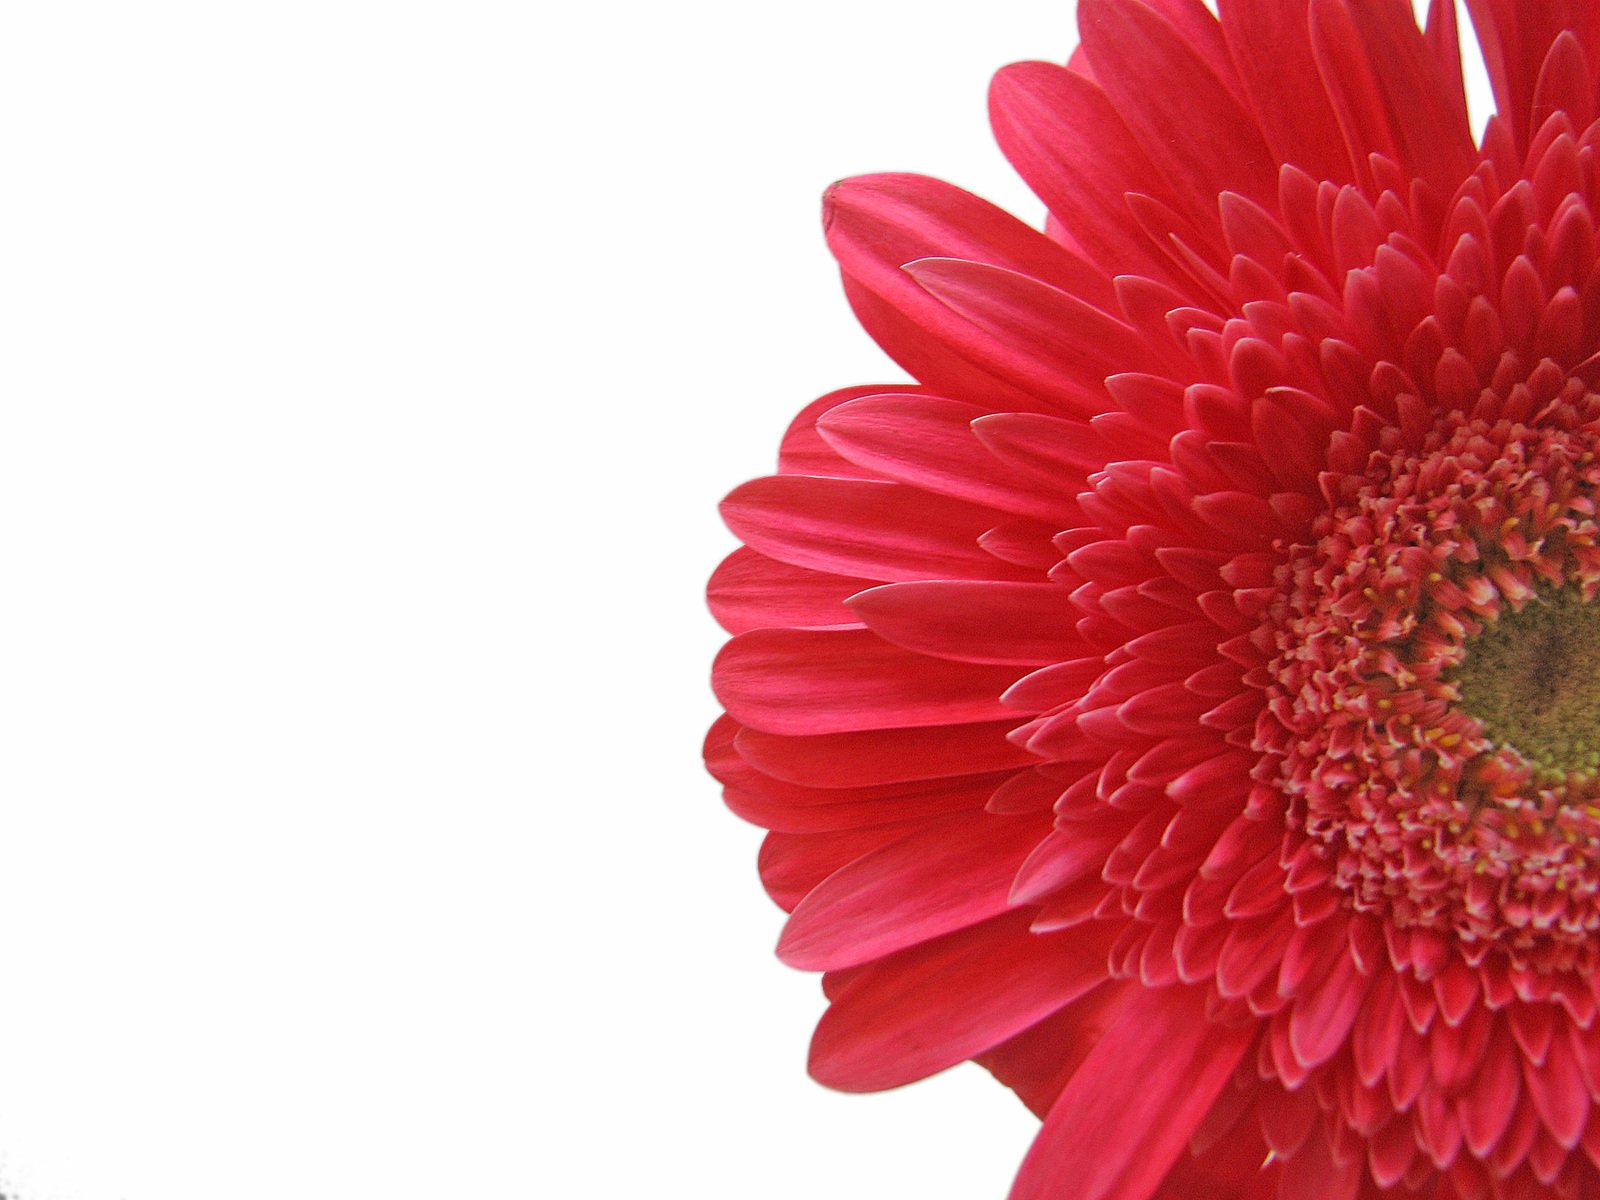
(1185, 698)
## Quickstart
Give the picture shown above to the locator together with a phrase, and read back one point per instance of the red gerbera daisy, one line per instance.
(1185, 699)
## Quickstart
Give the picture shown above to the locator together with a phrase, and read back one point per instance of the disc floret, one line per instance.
(1434, 699)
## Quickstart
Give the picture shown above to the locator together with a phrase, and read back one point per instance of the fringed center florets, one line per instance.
(1434, 696)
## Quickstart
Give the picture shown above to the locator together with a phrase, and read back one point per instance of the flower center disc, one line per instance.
(1433, 699)
(1532, 679)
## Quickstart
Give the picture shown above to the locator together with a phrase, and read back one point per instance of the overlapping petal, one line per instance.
(1104, 689)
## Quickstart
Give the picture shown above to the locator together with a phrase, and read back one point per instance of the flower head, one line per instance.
(1184, 699)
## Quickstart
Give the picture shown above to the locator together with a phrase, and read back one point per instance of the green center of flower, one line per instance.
(1532, 680)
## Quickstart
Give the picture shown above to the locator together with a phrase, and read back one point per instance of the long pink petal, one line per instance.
(1066, 140)
(803, 452)
(1559, 1094)
(1270, 41)
(1443, 36)
(1127, 1114)
(791, 864)
(1320, 1020)
(1049, 448)
(1314, 1173)
(792, 808)
(1516, 36)
(1351, 85)
(1487, 1105)
(726, 755)
(752, 591)
(882, 756)
(927, 359)
(1028, 624)
(1221, 148)
(942, 877)
(865, 528)
(1039, 1062)
(811, 681)
(927, 1008)
(1040, 337)
(929, 442)
(1430, 127)
(1235, 1168)
(877, 224)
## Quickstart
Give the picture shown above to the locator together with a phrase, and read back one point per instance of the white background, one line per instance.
(370, 376)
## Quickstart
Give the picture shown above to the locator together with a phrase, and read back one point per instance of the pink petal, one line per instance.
(927, 1008)
(1039, 1062)
(1232, 1168)
(926, 358)
(1287, 1118)
(1022, 543)
(751, 591)
(1198, 27)
(1432, 137)
(1351, 85)
(942, 877)
(877, 224)
(791, 864)
(1486, 1106)
(1222, 148)
(1559, 1094)
(761, 797)
(1064, 857)
(1063, 137)
(803, 452)
(1052, 450)
(1027, 624)
(1250, 955)
(1566, 82)
(929, 442)
(807, 681)
(788, 808)
(1321, 1018)
(1533, 1026)
(879, 531)
(1127, 1113)
(1039, 337)
(881, 756)
(1314, 1174)
(1516, 37)
(1444, 43)
(1457, 1050)
(1270, 41)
